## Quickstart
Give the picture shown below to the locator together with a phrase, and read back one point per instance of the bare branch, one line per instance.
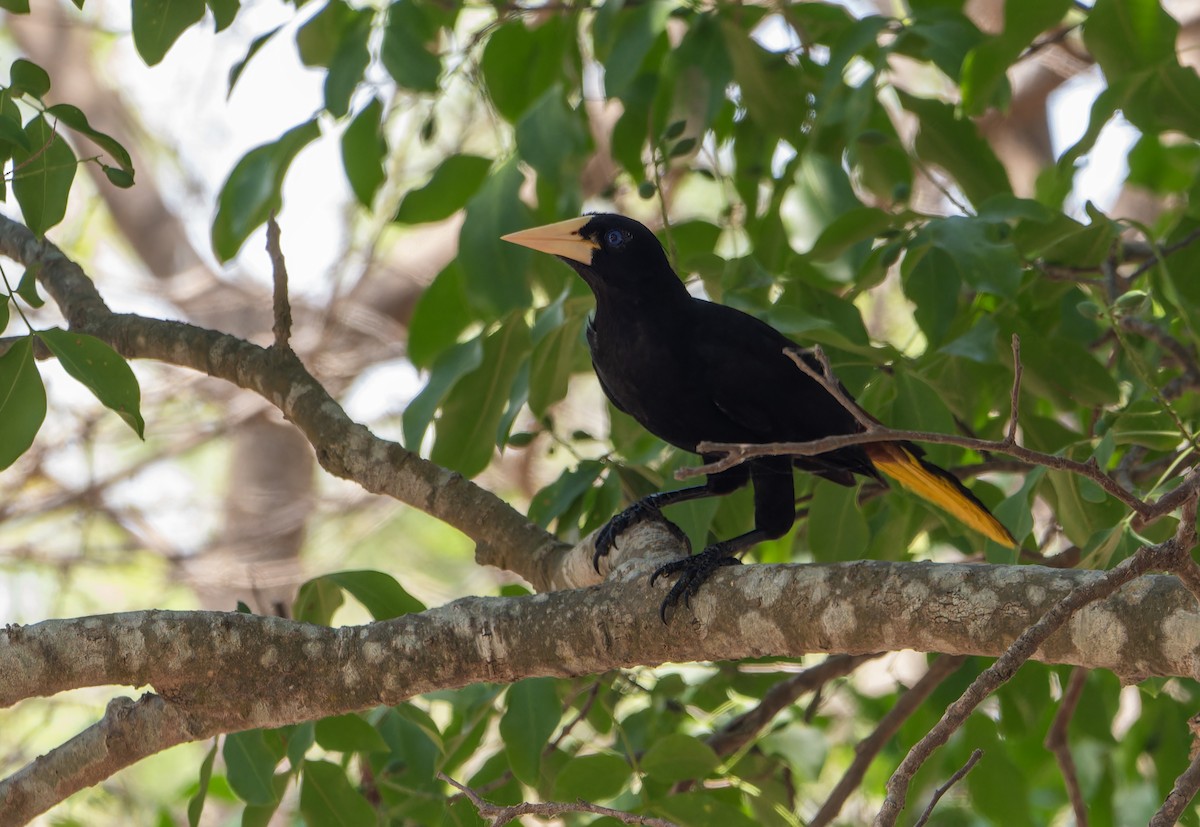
(959, 775)
(501, 815)
(1181, 795)
(504, 537)
(867, 749)
(199, 663)
(1056, 742)
(1011, 438)
(1145, 559)
(282, 307)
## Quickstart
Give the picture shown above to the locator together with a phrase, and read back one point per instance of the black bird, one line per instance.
(690, 370)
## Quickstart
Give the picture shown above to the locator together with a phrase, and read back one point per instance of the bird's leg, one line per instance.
(774, 513)
(647, 508)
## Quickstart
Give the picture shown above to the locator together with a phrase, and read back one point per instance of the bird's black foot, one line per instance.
(693, 571)
(640, 512)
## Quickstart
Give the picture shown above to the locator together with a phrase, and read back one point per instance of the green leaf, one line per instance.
(837, 529)
(848, 229)
(27, 78)
(380, 593)
(22, 401)
(1126, 36)
(12, 133)
(529, 720)
(327, 798)
(519, 63)
(73, 117)
(250, 767)
(317, 41)
(554, 359)
(932, 280)
(349, 733)
(224, 12)
(441, 314)
(550, 134)
(1064, 370)
(15, 6)
(636, 29)
(4, 312)
(363, 150)
(235, 71)
(494, 271)
(984, 68)
(102, 370)
(157, 24)
(317, 600)
(196, 804)
(957, 147)
(348, 64)
(117, 177)
(252, 191)
(559, 495)
(679, 757)
(42, 176)
(453, 184)
(27, 288)
(760, 76)
(406, 52)
(592, 778)
(450, 366)
(471, 412)
(700, 808)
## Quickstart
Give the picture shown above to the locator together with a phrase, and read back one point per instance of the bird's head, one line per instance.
(609, 251)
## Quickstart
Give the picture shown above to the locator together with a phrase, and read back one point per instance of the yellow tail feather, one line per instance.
(904, 467)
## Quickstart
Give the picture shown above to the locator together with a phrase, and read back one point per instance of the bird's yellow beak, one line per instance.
(558, 239)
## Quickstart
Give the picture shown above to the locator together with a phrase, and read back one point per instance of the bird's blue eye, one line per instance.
(615, 238)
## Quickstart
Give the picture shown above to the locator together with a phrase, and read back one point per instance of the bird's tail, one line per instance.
(940, 487)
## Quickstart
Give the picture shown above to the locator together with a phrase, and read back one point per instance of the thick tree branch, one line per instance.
(200, 662)
(503, 537)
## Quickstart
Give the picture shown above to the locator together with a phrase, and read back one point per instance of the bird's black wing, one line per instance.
(741, 363)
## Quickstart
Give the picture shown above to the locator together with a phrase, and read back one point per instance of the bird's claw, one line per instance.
(693, 571)
(639, 512)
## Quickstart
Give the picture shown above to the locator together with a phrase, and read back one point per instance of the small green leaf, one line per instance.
(592, 778)
(158, 24)
(848, 229)
(4, 312)
(27, 78)
(22, 401)
(453, 184)
(530, 719)
(956, 145)
(837, 529)
(472, 410)
(349, 733)
(363, 150)
(441, 314)
(42, 177)
(73, 117)
(559, 495)
(380, 593)
(235, 71)
(679, 757)
(117, 177)
(101, 369)
(15, 6)
(252, 191)
(406, 51)
(27, 288)
(327, 799)
(250, 767)
(196, 804)
(224, 12)
(317, 600)
(348, 64)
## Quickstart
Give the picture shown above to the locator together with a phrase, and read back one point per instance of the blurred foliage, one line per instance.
(813, 166)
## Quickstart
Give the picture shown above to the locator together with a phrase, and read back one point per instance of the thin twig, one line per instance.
(867, 749)
(1011, 439)
(547, 809)
(735, 453)
(1056, 742)
(1186, 786)
(950, 782)
(282, 306)
(829, 382)
(1158, 254)
(1160, 556)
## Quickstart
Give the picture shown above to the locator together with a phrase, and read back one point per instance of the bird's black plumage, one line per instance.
(690, 370)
